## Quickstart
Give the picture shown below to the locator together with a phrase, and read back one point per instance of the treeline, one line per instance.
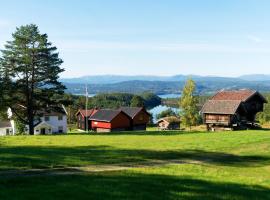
(264, 117)
(174, 102)
(110, 100)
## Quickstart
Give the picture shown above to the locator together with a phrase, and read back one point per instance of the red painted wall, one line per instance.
(141, 118)
(98, 124)
(120, 121)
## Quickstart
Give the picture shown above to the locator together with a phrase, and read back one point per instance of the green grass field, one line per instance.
(138, 165)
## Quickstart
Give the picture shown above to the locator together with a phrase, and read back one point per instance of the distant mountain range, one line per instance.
(256, 77)
(110, 79)
(164, 84)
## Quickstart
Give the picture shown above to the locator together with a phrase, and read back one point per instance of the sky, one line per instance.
(149, 37)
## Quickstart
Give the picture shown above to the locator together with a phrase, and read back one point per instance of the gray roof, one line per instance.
(52, 110)
(106, 115)
(132, 111)
(5, 124)
(221, 106)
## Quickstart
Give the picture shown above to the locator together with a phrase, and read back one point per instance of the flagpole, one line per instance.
(86, 105)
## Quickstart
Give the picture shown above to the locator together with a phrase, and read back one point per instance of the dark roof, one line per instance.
(133, 111)
(87, 113)
(171, 119)
(221, 106)
(239, 95)
(52, 110)
(106, 115)
(4, 124)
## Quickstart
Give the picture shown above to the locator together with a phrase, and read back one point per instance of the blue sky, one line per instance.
(149, 37)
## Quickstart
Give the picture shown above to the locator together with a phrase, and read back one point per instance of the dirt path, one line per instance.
(88, 169)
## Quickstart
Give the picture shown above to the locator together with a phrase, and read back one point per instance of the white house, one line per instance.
(6, 128)
(50, 120)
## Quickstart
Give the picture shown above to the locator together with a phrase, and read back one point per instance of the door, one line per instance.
(43, 131)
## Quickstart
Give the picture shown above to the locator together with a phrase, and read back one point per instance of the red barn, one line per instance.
(107, 120)
(140, 117)
(83, 118)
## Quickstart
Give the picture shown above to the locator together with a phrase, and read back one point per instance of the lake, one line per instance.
(158, 109)
(166, 96)
(163, 96)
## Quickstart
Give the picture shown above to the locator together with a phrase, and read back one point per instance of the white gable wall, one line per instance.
(3, 131)
(57, 124)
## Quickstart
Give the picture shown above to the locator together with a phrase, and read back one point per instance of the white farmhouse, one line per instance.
(51, 120)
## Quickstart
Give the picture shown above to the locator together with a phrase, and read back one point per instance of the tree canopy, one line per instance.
(166, 113)
(29, 72)
(188, 104)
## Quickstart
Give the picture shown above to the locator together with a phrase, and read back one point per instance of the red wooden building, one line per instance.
(83, 117)
(140, 117)
(107, 120)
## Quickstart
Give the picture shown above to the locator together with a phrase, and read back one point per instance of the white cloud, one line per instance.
(254, 38)
(257, 39)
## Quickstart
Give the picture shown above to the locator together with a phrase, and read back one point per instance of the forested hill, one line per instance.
(205, 85)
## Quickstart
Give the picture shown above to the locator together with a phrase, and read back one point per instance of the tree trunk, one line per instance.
(30, 119)
(31, 127)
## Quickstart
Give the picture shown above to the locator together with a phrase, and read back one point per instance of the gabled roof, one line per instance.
(87, 113)
(106, 115)
(5, 124)
(237, 95)
(133, 111)
(171, 119)
(52, 111)
(46, 111)
(43, 123)
(221, 106)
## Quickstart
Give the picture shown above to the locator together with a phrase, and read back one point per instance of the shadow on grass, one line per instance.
(125, 185)
(165, 132)
(51, 157)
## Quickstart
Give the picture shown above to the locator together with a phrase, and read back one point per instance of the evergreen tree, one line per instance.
(166, 113)
(188, 105)
(137, 101)
(264, 117)
(30, 68)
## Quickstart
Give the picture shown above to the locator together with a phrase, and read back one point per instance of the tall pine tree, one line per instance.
(188, 104)
(29, 71)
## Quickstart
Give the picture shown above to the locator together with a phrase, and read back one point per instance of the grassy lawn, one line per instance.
(159, 165)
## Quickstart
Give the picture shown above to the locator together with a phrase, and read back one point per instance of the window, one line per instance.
(60, 118)
(141, 117)
(7, 131)
(47, 118)
(60, 129)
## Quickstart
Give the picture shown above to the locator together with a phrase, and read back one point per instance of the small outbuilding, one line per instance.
(140, 117)
(107, 120)
(6, 128)
(169, 123)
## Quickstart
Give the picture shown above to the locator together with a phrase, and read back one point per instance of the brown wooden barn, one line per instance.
(140, 117)
(169, 123)
(107, 120)
(235, 109)
(83, 117)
